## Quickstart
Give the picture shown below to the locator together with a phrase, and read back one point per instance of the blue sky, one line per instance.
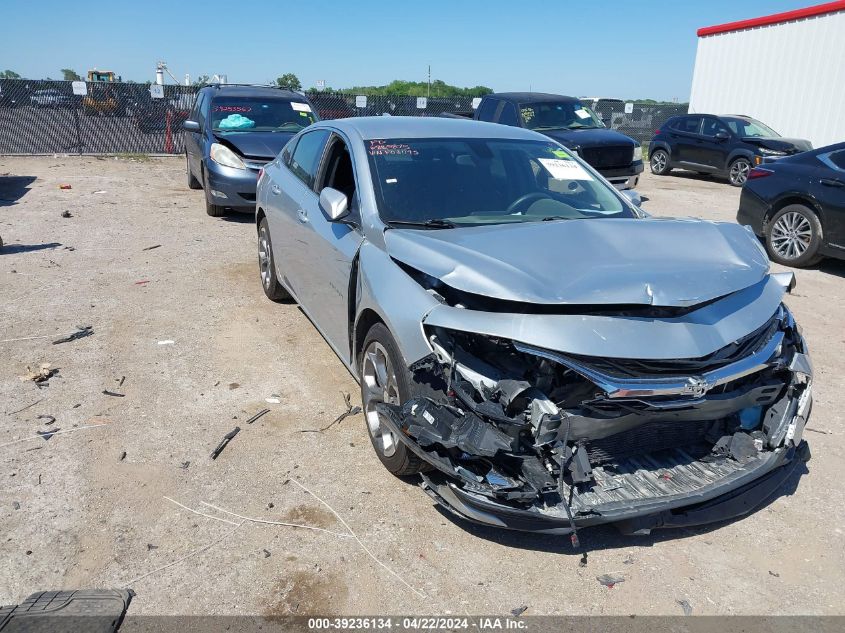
(629, 49)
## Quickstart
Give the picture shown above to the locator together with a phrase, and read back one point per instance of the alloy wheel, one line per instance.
(791, 235)
(658, 162)
(739, 172)
(380, 385)
(265, 258)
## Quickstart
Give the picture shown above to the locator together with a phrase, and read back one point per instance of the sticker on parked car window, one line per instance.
(231, 108)
(560, 153)
(561, 169)
(379, 147)
(581, 113)
(527, 114)
(300, 107)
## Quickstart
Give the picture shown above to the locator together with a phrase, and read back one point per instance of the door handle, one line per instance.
(830, 182)
(275, 190)
(302, 215)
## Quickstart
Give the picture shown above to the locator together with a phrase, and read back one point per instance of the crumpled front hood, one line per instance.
(658, 262)
(788, 145)
(257, 144)
(590, 138)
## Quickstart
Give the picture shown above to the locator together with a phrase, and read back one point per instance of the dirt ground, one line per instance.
(184, 333)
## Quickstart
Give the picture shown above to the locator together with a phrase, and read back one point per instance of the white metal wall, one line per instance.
(791, 76)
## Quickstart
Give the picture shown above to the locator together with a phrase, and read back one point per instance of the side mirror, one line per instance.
(633, 197)
(722, 136)
(191, 126)
(333, 203)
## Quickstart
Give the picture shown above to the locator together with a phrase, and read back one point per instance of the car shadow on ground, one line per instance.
(607, 537)
(693, 175)
(13, 188)
(831, 267)
(239, 218)
(11, 249)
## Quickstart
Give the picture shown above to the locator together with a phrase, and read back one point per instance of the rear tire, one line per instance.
(793, 236)
(659, 163)
(214, 210)
(193, 183)
(267, 265)
(384, 378)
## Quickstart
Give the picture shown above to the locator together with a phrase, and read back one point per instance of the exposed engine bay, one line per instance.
(512, 433)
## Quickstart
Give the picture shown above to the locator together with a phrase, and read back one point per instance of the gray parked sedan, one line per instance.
(540, 351)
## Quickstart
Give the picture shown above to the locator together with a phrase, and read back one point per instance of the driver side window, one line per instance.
(337, 172)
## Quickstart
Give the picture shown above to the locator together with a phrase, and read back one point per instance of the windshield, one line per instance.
(440, 183)
(564, 115)
(249, 114)
(749, 128)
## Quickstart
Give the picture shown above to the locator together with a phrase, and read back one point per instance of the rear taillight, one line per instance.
(759, 172)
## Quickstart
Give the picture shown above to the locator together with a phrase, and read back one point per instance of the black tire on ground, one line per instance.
(402, 462)
(659, 162)
(738, 171)
(802, 222)
(214, 210)
(269, 282)
(193, 183)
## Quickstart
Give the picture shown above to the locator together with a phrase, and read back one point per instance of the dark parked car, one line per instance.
(232, 132)
(797, 205)
(728, 145)
(566, 120)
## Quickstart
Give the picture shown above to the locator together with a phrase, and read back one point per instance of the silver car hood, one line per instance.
(660, 262)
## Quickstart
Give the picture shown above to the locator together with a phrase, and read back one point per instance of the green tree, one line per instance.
(71, 75)
(201, 80)
(9, 74)
(438, 88)
(289, 81)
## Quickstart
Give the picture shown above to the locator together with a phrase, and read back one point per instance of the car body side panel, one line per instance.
(691, 336)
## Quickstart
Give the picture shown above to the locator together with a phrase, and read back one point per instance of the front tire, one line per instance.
(793, 236)
(384, 378)
(267, 266)
(738, 172)
(659, 163)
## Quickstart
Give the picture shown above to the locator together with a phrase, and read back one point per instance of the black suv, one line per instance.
(727, 145)
(231, 133)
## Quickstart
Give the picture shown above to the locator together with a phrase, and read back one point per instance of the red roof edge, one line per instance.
(808, 12)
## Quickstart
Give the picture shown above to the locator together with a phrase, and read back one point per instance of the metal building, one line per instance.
(787, 70)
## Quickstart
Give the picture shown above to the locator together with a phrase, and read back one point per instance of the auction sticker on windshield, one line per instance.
(562, 169)
(300, 107)
(581, 113)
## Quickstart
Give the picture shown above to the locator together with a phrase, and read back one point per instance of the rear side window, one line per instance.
(306, 156)
(487, 109)
(689, 124)
(836, 160)
(713, 126)
(508, 115)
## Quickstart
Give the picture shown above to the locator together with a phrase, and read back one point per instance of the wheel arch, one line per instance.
(259, 215)
(793, 198)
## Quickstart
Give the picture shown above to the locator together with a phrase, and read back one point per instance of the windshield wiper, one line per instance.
(426, 224)
(552, 218)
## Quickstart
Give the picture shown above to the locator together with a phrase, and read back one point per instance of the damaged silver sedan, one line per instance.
(540, 351)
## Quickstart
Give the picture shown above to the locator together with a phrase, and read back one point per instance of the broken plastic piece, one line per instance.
(81, 332)
(609, 580)
(224, 442)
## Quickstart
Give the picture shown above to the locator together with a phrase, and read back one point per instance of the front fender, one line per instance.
(396, 298)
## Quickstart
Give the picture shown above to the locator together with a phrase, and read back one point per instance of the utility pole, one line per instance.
(428, 92)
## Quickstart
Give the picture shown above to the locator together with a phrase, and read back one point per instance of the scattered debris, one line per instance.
(609, 580)
(26, 407)
(49, 419)
(234, 385)
(184, 465)
(629, 560)
(350, 410)
(52, 432)
(809, 428)
(48, 434)
(100, 191)
(65, 186)
(149, 248)
(167, 342)
(106, 392)
(583, 561)
(274, 399)
(67, 214)
(519, 611)
(16, 505)
(121, 381)
(142, 282)
(774, 573)
(266, 553)
(44, 373)
(686, 606)
(151, 547)
(258, 415)
(81, 332)
(225, 441)
(122, 456)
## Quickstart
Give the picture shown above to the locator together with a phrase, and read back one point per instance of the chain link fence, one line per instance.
(48, 117)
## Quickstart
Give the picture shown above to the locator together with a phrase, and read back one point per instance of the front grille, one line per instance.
(650, 438)
(608, 157)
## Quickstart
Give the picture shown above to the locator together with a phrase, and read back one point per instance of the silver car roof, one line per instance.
(379, 127)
